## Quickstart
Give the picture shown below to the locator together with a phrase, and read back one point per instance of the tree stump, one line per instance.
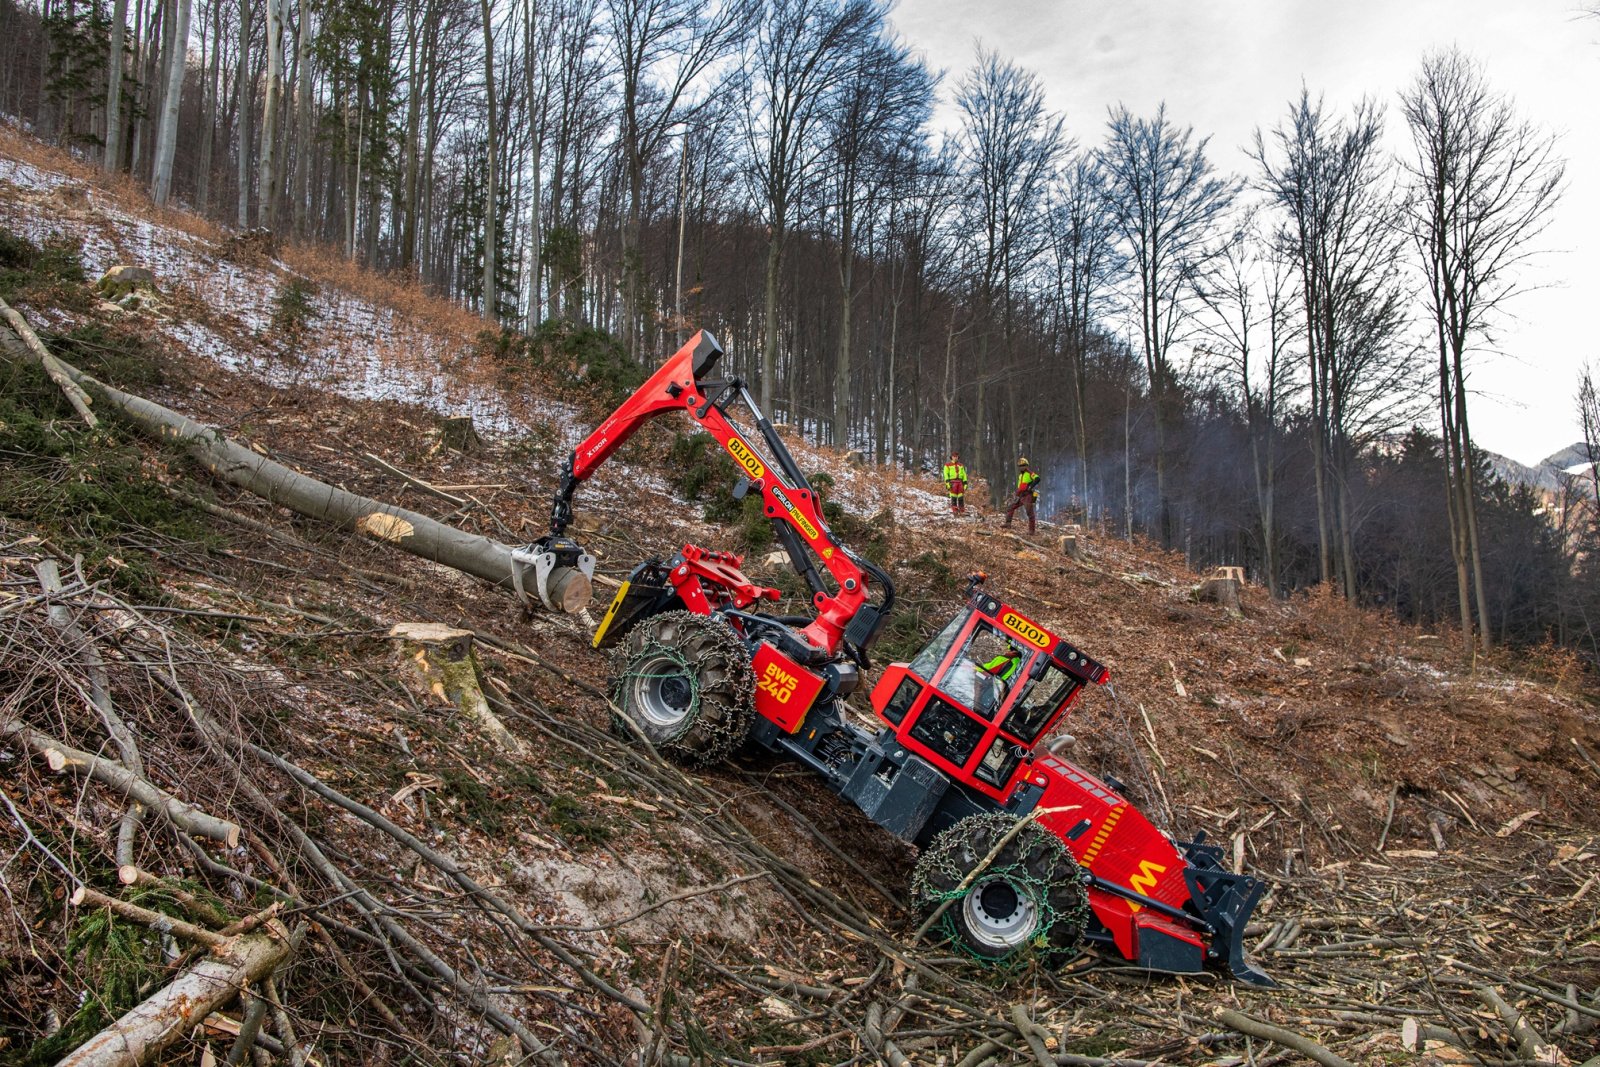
(122, 279)
(438, 661)
(856, 458)
(1071, 541)
(1223, 587)
(459, 433)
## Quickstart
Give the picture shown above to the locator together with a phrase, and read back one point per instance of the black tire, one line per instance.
(684, 681)
(1029, 900)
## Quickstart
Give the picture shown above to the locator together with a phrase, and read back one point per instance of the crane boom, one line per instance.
(843, 615)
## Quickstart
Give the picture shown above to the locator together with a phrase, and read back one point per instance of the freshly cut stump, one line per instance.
(1030, 897)
(685, 682)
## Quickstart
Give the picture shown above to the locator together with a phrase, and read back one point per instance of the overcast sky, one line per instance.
(1227, 67)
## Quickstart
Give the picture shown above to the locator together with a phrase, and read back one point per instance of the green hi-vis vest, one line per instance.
(955, 472)
(1025, 480)
(1000, 661)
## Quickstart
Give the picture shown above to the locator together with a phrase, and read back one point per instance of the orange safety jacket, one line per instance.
(1026, 481)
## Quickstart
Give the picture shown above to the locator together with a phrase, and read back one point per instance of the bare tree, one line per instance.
(1248, 292)
(271, 113)
(1087, 266)
(244, 87)
(1589, 415)
(800, 56)
(114, 64)
(663, 47)
(1168, 204)
(875, 132)
(167, 133)
(491, 204)
(1010, 146)
(1483, 185)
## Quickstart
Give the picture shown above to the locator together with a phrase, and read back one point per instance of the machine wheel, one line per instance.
(1030, 897)
(684, 681)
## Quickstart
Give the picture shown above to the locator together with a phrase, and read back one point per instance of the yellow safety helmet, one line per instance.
(1023, 462)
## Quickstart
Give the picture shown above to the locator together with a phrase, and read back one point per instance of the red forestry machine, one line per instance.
(1024, 850)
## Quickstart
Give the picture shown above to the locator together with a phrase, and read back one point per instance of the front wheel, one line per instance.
(684, 681)
(1029, 897)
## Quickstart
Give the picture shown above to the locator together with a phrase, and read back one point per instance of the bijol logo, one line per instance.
(746, 458)
(1025, 630)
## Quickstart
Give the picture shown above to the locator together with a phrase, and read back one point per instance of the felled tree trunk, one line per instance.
(440, 659)
(140, 1035)
(233, 463)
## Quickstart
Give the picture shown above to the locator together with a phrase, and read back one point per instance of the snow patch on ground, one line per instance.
(26, 176)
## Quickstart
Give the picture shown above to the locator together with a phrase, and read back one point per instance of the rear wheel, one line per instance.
(684, 681)
(1029, 897)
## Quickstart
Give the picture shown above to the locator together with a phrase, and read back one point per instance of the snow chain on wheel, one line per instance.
(1031, 897)
(685, 682)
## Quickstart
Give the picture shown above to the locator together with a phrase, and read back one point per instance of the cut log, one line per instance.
(856, 458)
(156, 921)
(25, 344)
(439, 660)
(141, 1035)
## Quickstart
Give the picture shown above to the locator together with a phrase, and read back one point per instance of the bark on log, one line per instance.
(140, 1035)
(62, 756)
(274, 482)
(441, 660)
(1531, 1045)
(156, 921)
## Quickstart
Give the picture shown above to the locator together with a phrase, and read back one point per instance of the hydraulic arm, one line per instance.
(843, 614)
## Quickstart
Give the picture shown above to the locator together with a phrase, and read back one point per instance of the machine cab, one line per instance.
(976, 700)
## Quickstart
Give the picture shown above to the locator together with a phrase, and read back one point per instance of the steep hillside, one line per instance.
(1427, 824)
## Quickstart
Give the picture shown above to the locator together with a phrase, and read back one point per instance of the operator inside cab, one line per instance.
(988, 670)
(1005, 665)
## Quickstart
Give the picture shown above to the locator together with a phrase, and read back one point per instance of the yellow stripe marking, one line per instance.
(1105, 831)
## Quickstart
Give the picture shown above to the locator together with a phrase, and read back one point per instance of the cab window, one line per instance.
(989, 667)
(1029, 715)
(933, 653)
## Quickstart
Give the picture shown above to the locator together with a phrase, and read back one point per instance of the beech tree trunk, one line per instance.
(119, 19)
(167, 133)
(491, 206)
(266, 181)
(233, 463)
(245, 88)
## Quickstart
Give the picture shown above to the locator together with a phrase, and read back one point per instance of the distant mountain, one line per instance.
(1547, 475)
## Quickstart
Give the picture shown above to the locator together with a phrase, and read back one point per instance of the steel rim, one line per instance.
(664, 691)
(1000, 914)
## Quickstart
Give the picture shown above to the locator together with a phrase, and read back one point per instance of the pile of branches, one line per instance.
(139, 791)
